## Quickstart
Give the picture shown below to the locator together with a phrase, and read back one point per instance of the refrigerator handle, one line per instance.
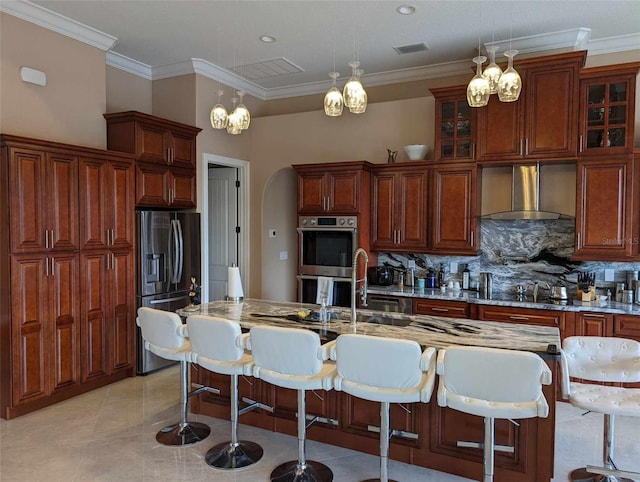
(167, 300)
(174, 263)
(180, 251)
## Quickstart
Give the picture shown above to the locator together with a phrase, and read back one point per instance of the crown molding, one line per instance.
(43, 17)
(612, 45)
(577, 39)
(119, 61)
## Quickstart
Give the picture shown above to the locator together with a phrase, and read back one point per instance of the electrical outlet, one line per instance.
(411, 264)
(272, 233)
(453, 267)
(609, 275)
(284, 255)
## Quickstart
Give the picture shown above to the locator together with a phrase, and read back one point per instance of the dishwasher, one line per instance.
(390, 304)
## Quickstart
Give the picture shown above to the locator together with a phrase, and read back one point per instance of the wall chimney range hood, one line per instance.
(525, 196)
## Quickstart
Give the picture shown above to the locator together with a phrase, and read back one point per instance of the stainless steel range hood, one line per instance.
(525, 196)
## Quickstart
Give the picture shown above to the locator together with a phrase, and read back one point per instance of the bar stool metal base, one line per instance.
(294, 472)
(183, 434)
(378, 480)
(581, 475)
(229, 456)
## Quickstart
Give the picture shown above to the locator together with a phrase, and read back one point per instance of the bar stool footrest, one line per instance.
(179, 434)
(584, 475)
(230, 456)
(293, 472)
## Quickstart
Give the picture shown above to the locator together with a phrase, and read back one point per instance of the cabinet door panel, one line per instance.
(65, 311)
(94, 181)
(500, 130)
(384, 193)
(152, 185)
(603, 213)
(152, 144)
(121, 204)
(28, 205)
(183, 185)
(121, 309)
(344, 192)
(62, 202)
(29, 311)
(412, 210)
(594, 324)
(184, 150)
(311, 196)
(94, 314)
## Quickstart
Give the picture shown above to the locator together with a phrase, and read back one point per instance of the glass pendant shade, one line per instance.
(244, 117)
(478, 89)
(355, 97)
(333, 101)
(234, 122)
(510, 83)
(493, 71)
(219, 114)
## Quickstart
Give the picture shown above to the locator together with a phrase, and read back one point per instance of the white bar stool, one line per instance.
(216, 344)
(293, 358)
(384, 370)
(165, 335)
(492, 383)
(602, 359)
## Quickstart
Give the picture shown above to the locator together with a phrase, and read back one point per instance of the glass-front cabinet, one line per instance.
(454, 125)
(608, 105)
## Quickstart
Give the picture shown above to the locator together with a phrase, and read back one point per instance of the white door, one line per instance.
(222, 235)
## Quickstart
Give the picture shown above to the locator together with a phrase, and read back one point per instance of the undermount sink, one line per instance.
(382, 320)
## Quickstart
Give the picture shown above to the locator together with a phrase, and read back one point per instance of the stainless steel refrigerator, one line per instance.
(168, 255)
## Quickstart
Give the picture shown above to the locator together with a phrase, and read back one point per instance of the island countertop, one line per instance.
(435, 331)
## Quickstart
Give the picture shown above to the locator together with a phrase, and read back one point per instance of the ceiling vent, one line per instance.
(411, 49)
(267, 69)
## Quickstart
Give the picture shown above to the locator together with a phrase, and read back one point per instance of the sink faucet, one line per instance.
(354, 281)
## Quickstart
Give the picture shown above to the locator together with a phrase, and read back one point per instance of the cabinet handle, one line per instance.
(46, 240)
(513, 317)
(579, 245)
(473, 150)
(112, 236)
(526, 146)
(53, 273)
(521, 146)
(593, 315)
(52, 239)
(442, 310)
(169, 155)
(580, 143)
(472, 233)
(46, 266)
(113, 261)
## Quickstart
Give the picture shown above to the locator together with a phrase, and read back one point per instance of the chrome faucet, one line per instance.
(354, 281)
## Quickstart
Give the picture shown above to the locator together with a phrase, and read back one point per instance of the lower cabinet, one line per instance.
(526, 316)
(594, 324)
(446, 308)
(45, 335)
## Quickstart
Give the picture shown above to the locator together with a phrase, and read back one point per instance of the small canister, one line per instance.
(627, 296)
(619, 291)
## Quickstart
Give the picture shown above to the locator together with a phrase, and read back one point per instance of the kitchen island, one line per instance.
(427, 433)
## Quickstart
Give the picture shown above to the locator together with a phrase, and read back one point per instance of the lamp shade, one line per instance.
(234, 291)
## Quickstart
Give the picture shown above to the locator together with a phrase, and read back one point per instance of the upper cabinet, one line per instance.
(165, 157)
(607, 109)
(399, 214)
(333, 188)
(542, 123)
(454, 124)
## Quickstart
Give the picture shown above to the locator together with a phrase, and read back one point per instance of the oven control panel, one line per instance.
(328, 222)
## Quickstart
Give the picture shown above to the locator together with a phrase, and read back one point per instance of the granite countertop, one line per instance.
(435, 331)
(503, 299)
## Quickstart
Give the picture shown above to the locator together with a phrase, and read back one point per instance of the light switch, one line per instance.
(609, 275)
(411, 264)
(453, 267)
(284, 255)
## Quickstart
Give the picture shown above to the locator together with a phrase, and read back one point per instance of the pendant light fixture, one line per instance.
(510, 83)
(478, 89)
(333, 101)
(355, 97)
(234, 122)
(219, 115)
(244, 117)
(493, 71)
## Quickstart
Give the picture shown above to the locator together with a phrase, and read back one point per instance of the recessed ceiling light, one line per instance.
(405, 9)
(268, 39)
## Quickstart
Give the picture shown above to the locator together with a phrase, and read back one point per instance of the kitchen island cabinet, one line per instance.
(430, 431)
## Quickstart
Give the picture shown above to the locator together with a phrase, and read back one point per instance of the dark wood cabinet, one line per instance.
(446, 308)
(594, 324)
(526, 316)
(45, 325)
(333, 188)
(70, 212)
(542, 123)
(454, 219)
(606, 209)
(455, 123)
(44, 200)
(399, 213)
(607, 109)
(165, 157)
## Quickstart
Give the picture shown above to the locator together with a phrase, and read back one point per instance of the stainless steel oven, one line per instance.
(326, 245)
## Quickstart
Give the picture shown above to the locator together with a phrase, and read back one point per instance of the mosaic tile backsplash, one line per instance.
(521, 252)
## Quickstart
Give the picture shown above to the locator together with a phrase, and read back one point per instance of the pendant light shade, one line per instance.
(478, 89)
(244, 117)
(219, 115)
(333, 101)
(493, 71)
(355, 97)
(510, 83)
(234, 122)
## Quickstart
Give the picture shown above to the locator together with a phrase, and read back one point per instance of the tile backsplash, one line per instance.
(520, 252)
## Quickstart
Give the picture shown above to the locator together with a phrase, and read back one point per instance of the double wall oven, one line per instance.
(326, 245)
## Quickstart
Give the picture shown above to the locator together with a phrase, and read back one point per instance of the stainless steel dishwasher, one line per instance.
(391, 304)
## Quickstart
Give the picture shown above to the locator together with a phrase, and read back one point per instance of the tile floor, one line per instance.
(109, 435)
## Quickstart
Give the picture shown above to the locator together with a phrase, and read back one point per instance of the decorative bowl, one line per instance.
(416, 152)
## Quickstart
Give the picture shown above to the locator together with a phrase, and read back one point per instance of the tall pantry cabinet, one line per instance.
(58, 215)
